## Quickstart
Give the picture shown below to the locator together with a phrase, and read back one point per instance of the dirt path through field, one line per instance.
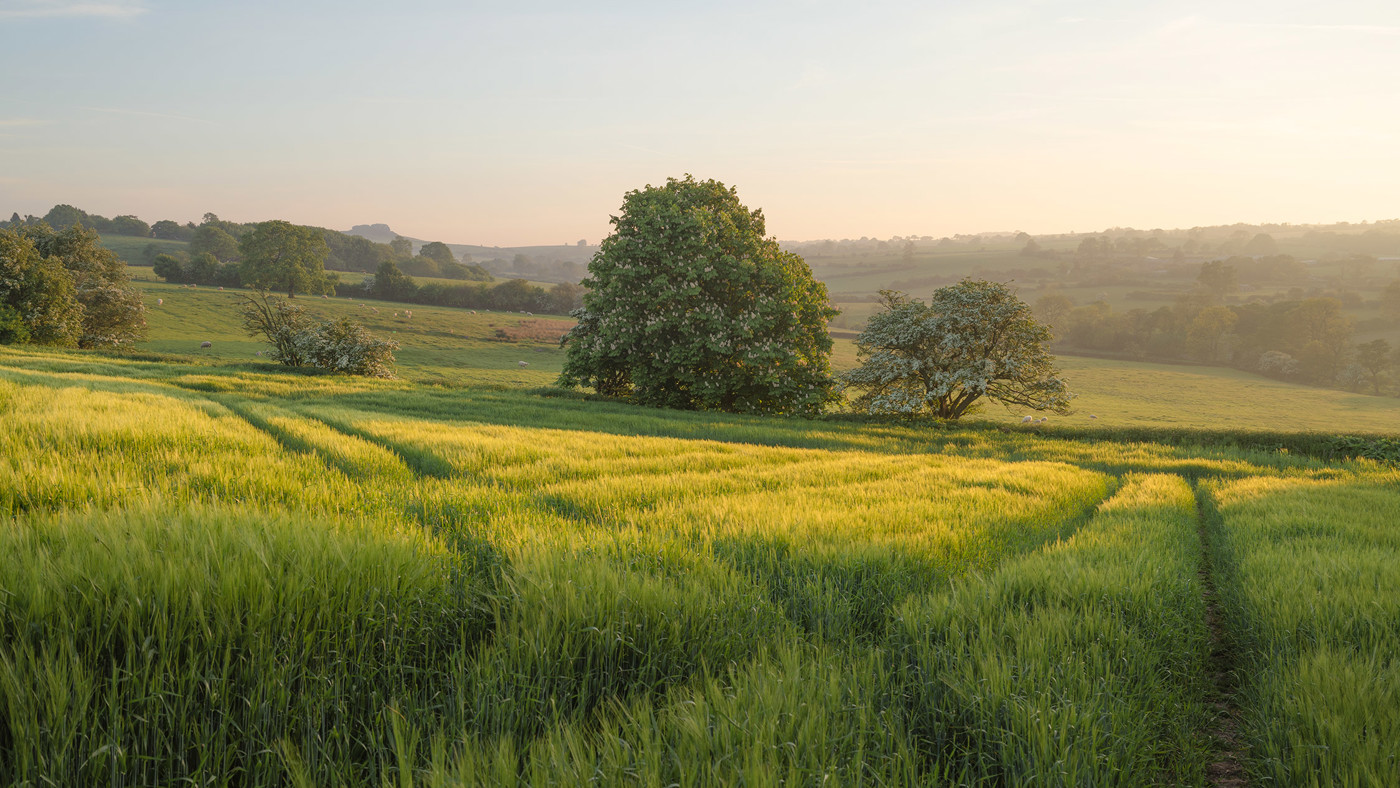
(1226, 766)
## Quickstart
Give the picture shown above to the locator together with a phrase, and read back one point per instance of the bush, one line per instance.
(340, 345)
(345, 346)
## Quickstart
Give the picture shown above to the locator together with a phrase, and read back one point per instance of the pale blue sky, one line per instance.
(514, 123)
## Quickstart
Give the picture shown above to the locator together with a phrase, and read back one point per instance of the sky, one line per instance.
(518, 123)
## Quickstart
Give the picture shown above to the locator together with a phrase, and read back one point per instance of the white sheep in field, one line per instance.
(160, 301)
(1043, 419)
(1028, 420)
(206, 343)
(221, 288)
(1092, 416)
(524, 364)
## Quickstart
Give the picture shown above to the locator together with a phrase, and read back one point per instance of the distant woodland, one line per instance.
(400, 269)
(1317, 304)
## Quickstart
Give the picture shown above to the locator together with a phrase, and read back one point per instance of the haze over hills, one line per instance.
(579, 252)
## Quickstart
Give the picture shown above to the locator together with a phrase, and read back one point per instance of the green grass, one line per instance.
(1314, 569)
(458, 347)
(1136, 394)
(133, 249)
(1088, 656)
(216, 570)
(608, 569)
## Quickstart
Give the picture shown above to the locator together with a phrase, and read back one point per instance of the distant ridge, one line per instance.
(572, 253)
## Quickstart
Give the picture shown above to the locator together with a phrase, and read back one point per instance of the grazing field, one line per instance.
(458, 347)
(218, 572)
(133, 249)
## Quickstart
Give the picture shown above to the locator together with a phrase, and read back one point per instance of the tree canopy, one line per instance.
(691, 306)
(284, 256)
(37, 298)
(438, 252)
(65, 288)
(112, 310)
(215, 240)
(972, 340)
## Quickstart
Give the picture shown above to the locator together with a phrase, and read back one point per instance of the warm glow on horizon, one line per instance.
(480, 125)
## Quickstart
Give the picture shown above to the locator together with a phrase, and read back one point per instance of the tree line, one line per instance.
(389, 283)
(214, 247)
(1303, 339)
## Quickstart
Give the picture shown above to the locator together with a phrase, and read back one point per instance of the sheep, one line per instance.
(1043, 419)
(524, 364)
(1028, 420)
(221, 289)
(259, 354)
(206, 343)
(1092, 416)
(160, 302)
(323, 295)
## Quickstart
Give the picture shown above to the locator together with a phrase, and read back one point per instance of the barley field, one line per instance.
(217, 573)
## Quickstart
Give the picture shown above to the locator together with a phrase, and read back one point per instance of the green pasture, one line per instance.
(133, 249)
(438, 344)
(457, 347)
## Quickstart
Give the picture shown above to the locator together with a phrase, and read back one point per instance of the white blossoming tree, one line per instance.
(690, 306)
(972, 340)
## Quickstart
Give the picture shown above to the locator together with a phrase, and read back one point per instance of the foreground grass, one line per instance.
(231, 575)
(1315, 614)
(1078, 665)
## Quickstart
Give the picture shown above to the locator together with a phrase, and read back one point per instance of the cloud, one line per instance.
(12, 9)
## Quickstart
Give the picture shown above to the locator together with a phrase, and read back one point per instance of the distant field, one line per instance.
(439, 344)
(133, 250)
(1163, 395)
(455, 346)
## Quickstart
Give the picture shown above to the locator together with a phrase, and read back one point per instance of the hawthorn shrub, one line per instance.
(341, 345)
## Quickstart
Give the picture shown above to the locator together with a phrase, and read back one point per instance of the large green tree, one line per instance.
(113, 312)
(972, 340)
(283, 256)
(690, 306)
(37, 299)
(215, 240)
(438, 252)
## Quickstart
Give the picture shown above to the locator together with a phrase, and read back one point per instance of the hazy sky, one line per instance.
(525, 122)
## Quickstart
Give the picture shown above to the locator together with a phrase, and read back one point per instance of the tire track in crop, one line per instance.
(421, 462)
(286, 439)
(1223, 737)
